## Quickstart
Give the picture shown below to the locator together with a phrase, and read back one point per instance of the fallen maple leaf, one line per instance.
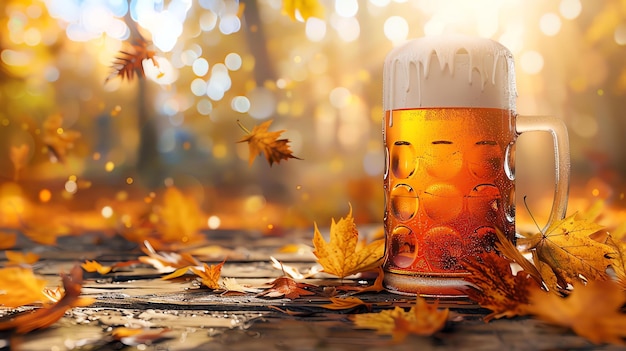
(46, 316)
(135, 337)
(20, 286)
(345, 303)
(305, 8)
(260, 140)
(344, 254)
(591, 311)
(495, 287)
(168, 262)
(566, 246)
(95, 266)
(422, 319)
(209, 275)
(287, 287)
(17, 258)
(230, 285)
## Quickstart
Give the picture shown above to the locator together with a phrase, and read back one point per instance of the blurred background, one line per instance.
(77, 141)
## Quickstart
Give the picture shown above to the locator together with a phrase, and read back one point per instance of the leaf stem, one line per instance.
(242, 127)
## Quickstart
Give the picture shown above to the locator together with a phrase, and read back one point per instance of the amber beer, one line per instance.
(449, 130)
(449, 186)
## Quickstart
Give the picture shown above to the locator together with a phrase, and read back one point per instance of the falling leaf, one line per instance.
(7, 240)
(44, 317)
(209, 275)
(18, 258)
(260, 140)
(422, 319)
(95, 266)
(305, 8)
(56, 138)
(287, 287)
(344, 254)
(130, 62)
(567, 248)
(495, 287)
(19, 157)
(346, 303)
(591, 311)
(20, 286)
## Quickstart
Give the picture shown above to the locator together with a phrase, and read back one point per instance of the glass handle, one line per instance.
(557, 129)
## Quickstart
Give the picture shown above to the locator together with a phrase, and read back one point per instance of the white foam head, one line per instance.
(449, 71)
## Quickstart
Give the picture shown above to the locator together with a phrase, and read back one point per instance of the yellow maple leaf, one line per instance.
(260, 140)
(306, 9)
(20, 286)
(344, 254)
(591, 311)
(46, 316)
(422, 319)
(179, 218)
(17, 258)
(567, 248)
(210, 275)
(95, 266)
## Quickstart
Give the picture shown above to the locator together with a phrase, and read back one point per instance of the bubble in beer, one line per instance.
(442, 202)
(404, 202)
(403, 246)
(403, 159)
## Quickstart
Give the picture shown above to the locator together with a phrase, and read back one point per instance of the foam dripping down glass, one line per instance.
(449, 131)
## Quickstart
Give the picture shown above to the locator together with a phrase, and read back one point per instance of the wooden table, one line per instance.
(199, 319)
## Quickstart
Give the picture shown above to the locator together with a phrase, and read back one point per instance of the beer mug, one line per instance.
(449, 132)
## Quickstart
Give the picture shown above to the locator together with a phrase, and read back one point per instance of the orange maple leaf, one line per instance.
(46, 316)
(287, 287)
(496, 288)
(210, 275)
(20, 286)
(345, 303)
(260, 140)
(591, 311)
(95, 266)
(422, 319)
(344, 254)
(130, 62)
